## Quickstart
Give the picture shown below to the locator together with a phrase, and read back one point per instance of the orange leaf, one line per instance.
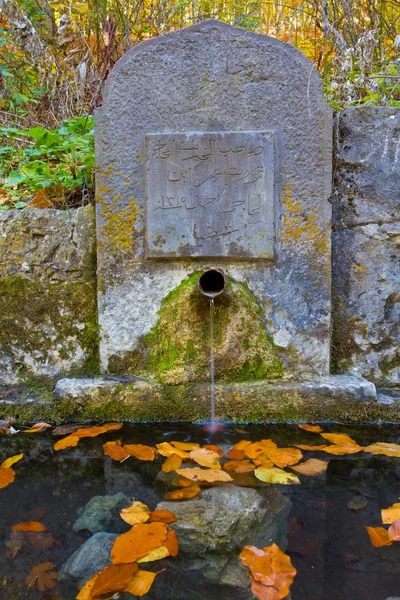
(263, 461)
(270, 567)
(253, 450)
(215, 449)
(67, 442)
(186, 446)
(36, 428)
(140, 583)
(41, 540)
(166, 449)
(236, 454)
(339, 439)
(313, 466)
(115, 450)
(206, 458)
(179, 481)
(239, 466)
(135, 513)
(391, 514)
(85, 592)
(29, 526)
(9, 462)
(113, 579)
(206, 475)
(42, 577)
(172, 463)
(384, 448)
(171, 543)
(7, 476)
(312, 428)
(242, 445)
(184, 493)
(162, 516)
(379, 536)
(394, 531)
(263, 592)
(283, 457)
(138, 542)
(269, 444)
(140, 451)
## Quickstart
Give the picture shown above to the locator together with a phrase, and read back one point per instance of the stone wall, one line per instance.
(365, 244)
(48, 309)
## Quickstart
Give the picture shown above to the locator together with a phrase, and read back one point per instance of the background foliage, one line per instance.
(55, 56)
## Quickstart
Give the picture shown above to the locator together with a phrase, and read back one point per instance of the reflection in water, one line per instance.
(327, 540)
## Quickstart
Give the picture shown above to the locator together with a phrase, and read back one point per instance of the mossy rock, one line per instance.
(177, 349)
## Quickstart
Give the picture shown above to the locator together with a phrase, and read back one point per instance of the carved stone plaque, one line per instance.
(210, 194)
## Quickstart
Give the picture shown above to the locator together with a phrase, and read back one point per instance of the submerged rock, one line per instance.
(91, 558)
(101, 513)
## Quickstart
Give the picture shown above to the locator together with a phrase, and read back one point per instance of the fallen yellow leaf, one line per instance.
(166, 449)
(141, 583)
(135, 513)
(113, 579)
(156, 554)
(67, 442)
(270, 568)
(9, 462)
(140, 451)
(379, 536)
(7, 476)
(172, 463)
(205, 458)
(275, 475)
(206, 475)
(138, 542)
(186, 446)
(115, 450)
(312, 428)
(313, 466)
(384, 448)
(391, 514)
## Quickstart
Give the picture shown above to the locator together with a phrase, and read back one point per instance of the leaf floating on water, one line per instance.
(312, 428)
(357, 503)
(115, 450)
(162, 516)
(215, 449)
(379, 536)
(135, 513)
(172, 463)
(312, 466)
(235, 454)
(7, 476)
(73, 440)
(85, 592)
(15, 544)
(184, 493)
(242, 444)
(166, 449)
(9, 462)
(239, 466)
(205, 475)
(140, 583)
(140, 451)
(29, 526)
(394, 531)
(112, 579)
(36, 428)
(391, 514)
(42, 576)
(138, 542)
(171, 543)
(185, 446)
(284, 457)
(44, 541)
(340, 439)
(205, 458)
(253, 450)
(270, 568)
(384, 448)
(275, 475)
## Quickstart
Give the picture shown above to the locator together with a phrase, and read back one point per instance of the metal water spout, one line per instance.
(212, 283)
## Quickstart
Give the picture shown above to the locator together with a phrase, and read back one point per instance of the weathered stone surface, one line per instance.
(214, 77)
(219, 204)
(48, 316)
(81, 387)
(365, 244)
(212, 530)
(101, 513)
(91, 558)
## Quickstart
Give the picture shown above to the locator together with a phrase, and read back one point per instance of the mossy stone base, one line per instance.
(177, 349)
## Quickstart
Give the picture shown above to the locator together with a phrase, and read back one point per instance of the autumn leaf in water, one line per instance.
(135, 513)
(73, 440)
(169, 548)
(140, 451)
(36, 428)
(115, 450)
(29, 526)
(284, 457)
(167, 449)
(313, 466)
(162, 516)
(253, 450)
(215, 449)
(140, 583)
(205, 458)
(241, 445)
(275, 475)
(379, 536)
(239, 466)
(384, 448)
(342, 444)
(184, 493)
(312, 428)
(391, 514)
(15, 544)
(156, 554)
(172, 463)
(270, 568)
(7, 475)
(394, 531)
(113, 579)
(185, 446)
(235, 454)
(204, 475)
(42, 576)
(44, 541)
(138, 542)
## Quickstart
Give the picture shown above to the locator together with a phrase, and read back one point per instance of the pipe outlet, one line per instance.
(212, 283)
